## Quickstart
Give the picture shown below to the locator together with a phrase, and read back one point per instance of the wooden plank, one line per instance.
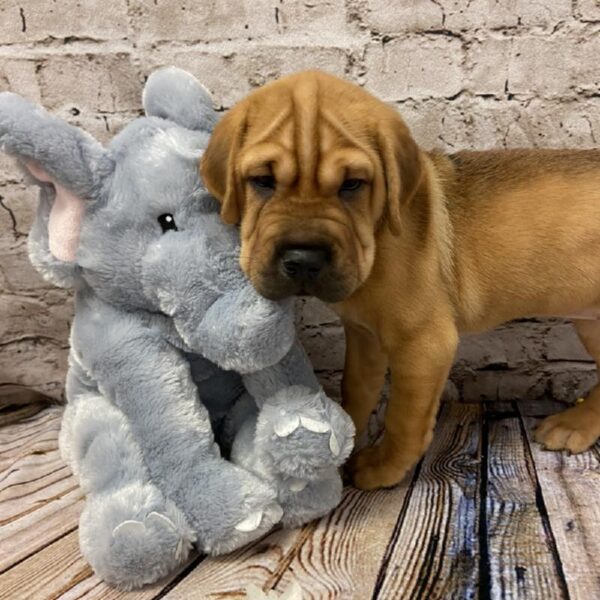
(39, 498)
(343, 555)
(46, 574)
(434, 553)
(520, 550)
(571, 489)
(229, 576)
(346, 546)
(26, 536)
(31, 436)
(59, 571)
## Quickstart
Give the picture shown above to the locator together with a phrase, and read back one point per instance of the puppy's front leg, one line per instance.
(364, 374)
(419, 368)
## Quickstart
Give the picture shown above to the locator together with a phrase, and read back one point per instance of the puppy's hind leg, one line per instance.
(576, 429)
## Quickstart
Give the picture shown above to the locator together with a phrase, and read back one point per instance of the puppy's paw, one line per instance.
(378, 467)
(575, 430)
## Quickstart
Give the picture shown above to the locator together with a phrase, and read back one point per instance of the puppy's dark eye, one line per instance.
(351, 185)
(167, 222)
(263, 182)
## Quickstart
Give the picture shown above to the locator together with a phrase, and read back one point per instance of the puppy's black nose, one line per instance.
(303, 263)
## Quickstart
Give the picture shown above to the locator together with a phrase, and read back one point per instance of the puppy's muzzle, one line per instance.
(303, 264)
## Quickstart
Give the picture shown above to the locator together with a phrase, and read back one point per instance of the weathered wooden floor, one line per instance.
(487, 514)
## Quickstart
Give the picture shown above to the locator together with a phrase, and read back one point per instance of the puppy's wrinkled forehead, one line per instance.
(292, 131)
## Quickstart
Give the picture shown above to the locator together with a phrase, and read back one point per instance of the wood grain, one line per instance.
(434, 553)
(337, 557)
(229, 576)
(39, 498)
(30, 436)
(536, 529)
(571, 485)
(520, 549)
(59, 571)
(343, 556)
(47, 574)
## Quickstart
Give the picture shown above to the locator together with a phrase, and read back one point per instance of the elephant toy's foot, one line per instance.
(237, 508)
(304, 433)
(133, 536)
(303, 500)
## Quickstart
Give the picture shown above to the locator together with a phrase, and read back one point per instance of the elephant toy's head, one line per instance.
(133, 221)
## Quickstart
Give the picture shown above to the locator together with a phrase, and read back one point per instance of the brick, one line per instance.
(487, 65)
(19, 76)
(483, 350)
(249, 68)
(103, 126)
(483, 123)
(474, 14)
(22, 21)
(553, 66)
(24, 317)
(202, 21)
(572, 382)
(38, 364)
(544, 123)
(415, 67)
(325, 348)
(90, 82)
(235, 20)
(16, 271)
(19, 203)
(481, 386)
(522, 386)
(563, 343)
(312, 313)
(462, 124)
(332, 383)
(588, 10)
(326, 18)
(386, 17)
(9, 171)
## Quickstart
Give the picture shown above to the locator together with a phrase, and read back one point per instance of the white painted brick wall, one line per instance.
(464, 73)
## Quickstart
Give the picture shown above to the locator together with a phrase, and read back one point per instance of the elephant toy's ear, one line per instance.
(70, 167)
(177, 96)
(65, 218)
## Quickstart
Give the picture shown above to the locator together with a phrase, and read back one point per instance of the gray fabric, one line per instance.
(170, 345)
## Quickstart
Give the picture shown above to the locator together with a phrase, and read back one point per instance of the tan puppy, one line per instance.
(336, 200)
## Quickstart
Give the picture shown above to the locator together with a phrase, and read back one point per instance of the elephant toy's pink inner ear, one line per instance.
(66, 217)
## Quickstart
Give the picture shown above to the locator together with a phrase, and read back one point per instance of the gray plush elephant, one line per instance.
(193, 414)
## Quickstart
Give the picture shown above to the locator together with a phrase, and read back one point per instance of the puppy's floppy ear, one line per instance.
(218, 164)
(402, 166)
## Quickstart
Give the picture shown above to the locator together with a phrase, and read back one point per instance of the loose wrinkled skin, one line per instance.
(170, 345)
(411, 247)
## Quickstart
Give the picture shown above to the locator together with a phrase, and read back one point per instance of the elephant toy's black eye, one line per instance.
(167, 222)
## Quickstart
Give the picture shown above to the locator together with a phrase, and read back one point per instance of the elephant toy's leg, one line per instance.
(304, 433)
(299, 458)
(304, 501)
(129, 532)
